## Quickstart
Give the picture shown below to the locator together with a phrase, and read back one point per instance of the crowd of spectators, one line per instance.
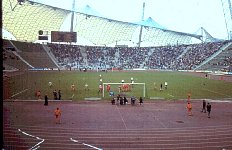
(196, 54)
(225, 61)
(97, 57)
(164, 57)
(132, 57)
(179, 57)
(67, 55)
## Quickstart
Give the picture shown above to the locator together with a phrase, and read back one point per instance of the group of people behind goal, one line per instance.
(122, 100)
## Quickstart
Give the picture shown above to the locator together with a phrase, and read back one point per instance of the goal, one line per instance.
(142, 87)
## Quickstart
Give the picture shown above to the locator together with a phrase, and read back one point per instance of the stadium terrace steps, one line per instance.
(12, 62)
(216, 61)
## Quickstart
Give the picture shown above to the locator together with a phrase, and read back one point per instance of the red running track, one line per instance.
(100, 125)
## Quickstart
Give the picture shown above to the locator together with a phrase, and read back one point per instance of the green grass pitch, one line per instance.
(24, 86)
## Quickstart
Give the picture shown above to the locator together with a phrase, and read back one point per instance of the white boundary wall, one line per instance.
(144, 87)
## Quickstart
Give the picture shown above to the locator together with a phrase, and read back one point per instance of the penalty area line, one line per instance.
(19, 93)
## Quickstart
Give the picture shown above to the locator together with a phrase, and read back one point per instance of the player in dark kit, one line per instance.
(140, 100)
(208, 109)
(45, 100)
(203, 106)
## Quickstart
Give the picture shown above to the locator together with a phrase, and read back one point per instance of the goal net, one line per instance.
(129, 89)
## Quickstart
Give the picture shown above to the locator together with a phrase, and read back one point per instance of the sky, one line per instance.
(178, 15)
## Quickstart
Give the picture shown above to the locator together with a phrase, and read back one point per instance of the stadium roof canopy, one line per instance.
(24, 20)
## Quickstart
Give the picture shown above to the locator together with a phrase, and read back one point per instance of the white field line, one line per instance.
(210, 100)
(19, 100)
(171, 95)
(72, 96)
(121, 117)
(215, 92)
(19, 93)
(85, 144)
(219, 101)
(35, 146)
(156, 118)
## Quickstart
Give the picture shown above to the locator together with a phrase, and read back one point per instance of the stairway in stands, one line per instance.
(215, 61)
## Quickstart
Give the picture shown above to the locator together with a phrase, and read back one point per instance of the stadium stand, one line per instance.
(12, 62)
(179, 57)
(159, 58)
(174, 50)
(197, 53)
(24, 55)
(221, 61)
(67, 55)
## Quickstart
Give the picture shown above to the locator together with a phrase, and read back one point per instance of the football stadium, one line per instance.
(75, 78)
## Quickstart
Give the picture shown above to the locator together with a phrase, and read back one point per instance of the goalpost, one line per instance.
(143, 84)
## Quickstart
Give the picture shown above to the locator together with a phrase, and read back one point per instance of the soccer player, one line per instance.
(132, 79)
(140, 100)
(133, 99)
(166, 85)
(108, 88)
(100, 81)
(189, 108)
(45, 100)
(155, 86)
(111, 94)
(86, 87)
(119, 89)
(132, 84)
(38, 94)
(161, 87)
(122, 81)
(208, 109)
(59, 95)
(113, 101)
(57, 114)
(55, 95)
(125, 101)
(203, 106)
(73, 87)
(50, 84)
(100, 89)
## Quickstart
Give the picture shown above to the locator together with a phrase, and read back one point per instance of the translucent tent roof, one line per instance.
(103, 31)
(167, 37)
(151, 23)
(24, 21)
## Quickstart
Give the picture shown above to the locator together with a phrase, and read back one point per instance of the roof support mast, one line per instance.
(227, 11)
(230, 8)
(72, 17)
(141, 28)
